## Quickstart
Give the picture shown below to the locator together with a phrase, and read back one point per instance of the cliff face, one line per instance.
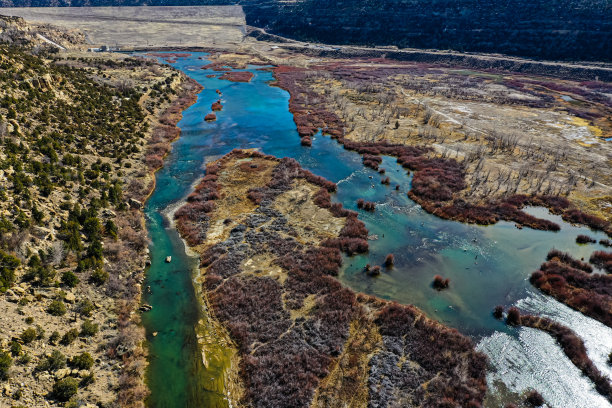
(557, 29)
(269, 240)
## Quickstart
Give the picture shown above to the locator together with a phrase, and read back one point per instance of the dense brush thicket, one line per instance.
(602, 259)
(572, 282)
(290, 330)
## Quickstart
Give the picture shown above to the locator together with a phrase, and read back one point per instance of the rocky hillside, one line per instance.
(76, 131)
(557, 29)
(16, 31)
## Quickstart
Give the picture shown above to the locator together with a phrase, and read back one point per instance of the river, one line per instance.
(486, 265)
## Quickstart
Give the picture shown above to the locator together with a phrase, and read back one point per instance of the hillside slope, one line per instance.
(556, 29)
(79, 138)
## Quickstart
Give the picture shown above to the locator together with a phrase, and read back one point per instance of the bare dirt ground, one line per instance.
(134, 27)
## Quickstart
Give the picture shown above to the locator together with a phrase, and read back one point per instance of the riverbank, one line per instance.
(82, 251)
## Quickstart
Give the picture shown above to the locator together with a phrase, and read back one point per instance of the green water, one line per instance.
(486, 265)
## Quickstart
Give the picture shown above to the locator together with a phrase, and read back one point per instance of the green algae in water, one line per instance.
(486, 265)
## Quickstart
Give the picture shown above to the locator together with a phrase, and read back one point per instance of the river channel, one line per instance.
(486, 265)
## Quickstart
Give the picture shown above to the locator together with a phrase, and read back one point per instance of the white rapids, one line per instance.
(533, 359)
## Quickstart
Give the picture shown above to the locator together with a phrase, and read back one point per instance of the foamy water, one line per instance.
(533, 360)
(597, 337)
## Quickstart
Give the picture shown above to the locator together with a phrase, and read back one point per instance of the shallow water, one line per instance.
(486, 265)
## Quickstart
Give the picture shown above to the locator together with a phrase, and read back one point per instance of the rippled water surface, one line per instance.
(486, 265)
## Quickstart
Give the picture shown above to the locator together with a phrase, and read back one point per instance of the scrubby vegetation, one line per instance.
(389, 260)
(572, 282)
(75, 133)
(65, 389)
(584, 239)
(602, 260)
(291, 325)
(534, 399)
(440, 283)
(5, 364)
(498, 312)
(605, 242)
(8, 264)
(514, 316)
(439, 182)
(366, 205)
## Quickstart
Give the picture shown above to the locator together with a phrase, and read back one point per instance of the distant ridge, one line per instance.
(579, 30)
(143, 27)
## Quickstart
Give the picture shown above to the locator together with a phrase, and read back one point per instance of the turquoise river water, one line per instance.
(486, 265)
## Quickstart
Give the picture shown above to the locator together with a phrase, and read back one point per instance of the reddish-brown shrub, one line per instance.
(590, 294)
(372, 161)
(368, 205)
(314, 179)
(408, 323)
(216, 106)
(322, 198)
(237, 76)
(191, 218)
(584, 239)
(602, 260)
(575, 216)
(534, 398)
(375, 271)
(514, 316)
(567, 259)
(440, 283)
(389, 260)
(498, 312)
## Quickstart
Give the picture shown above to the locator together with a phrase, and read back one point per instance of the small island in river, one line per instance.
(270, 242)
